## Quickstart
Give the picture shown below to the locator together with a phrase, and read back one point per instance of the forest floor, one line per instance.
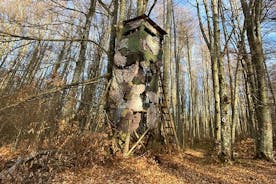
(190, 166)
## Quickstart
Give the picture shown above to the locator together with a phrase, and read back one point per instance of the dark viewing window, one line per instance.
(131, 31)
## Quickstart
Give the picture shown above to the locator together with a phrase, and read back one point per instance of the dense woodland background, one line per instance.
(219, 65)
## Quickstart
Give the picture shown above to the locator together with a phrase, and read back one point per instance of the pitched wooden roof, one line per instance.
(149, 20)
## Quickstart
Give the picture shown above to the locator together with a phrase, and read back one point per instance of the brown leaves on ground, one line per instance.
(85, 159)
(172, 169)
(69, 150)
(190, 166)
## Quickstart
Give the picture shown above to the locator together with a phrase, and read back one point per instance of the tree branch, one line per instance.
(67, 8)
(54, 90)
(105, 7)
(5, 34)
(201, 26)
(151, 8)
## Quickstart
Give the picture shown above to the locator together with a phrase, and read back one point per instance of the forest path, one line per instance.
(192, 166)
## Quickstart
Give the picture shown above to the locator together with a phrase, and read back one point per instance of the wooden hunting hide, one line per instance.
(134, 96)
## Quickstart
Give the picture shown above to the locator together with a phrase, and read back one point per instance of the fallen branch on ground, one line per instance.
(10, 171)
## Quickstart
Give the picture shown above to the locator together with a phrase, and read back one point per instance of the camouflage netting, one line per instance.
(134, 92)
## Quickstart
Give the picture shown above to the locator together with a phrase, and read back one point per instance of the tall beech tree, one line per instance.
(213, 41)
(252, 11)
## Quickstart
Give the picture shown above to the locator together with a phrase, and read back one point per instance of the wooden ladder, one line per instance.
(169, 129)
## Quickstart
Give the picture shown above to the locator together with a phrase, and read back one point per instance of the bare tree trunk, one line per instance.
(121, 18)
(7, 81)
(264, 144)
(80, 64)
(37, 63)
(30, 65)
(270, 87)
(178, 120)
(214, 66)
(225, 154)
(250, 84)
(191, 90)
(234, 105)
(112, 39)
(88, 99)
(141, 6)
(167, 52)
